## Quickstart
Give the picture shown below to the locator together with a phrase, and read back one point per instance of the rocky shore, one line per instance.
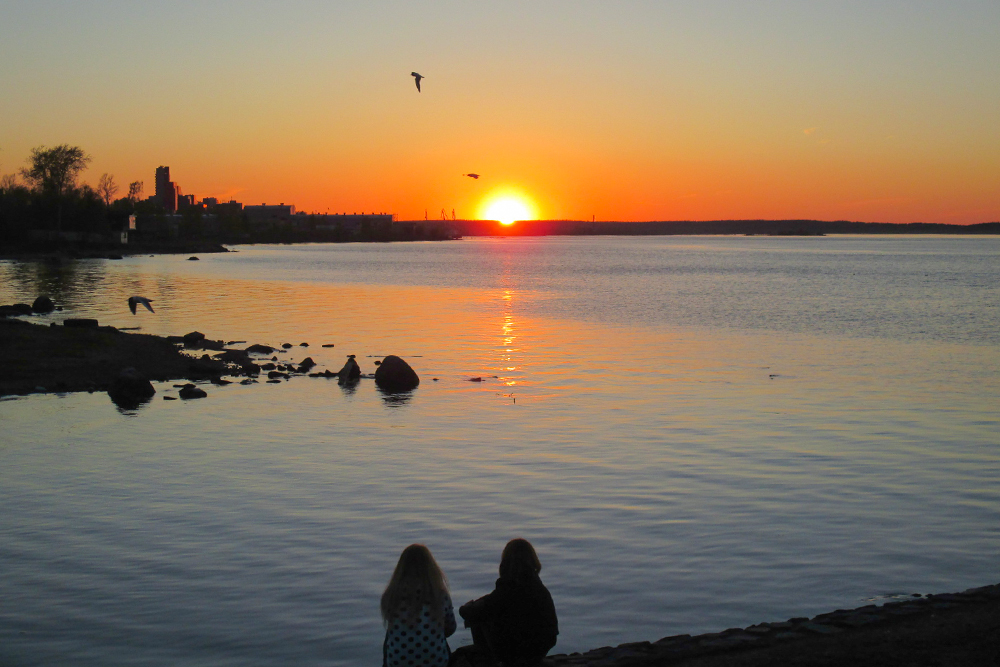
(949, 630)
(81, 355)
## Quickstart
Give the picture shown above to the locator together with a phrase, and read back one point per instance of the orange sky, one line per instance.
(625, 111)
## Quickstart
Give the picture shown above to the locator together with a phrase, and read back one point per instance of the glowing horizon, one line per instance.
(654, 111)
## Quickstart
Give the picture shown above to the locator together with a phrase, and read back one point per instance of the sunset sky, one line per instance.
(869, 110)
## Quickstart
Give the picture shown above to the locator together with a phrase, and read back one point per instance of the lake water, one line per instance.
(696, 433)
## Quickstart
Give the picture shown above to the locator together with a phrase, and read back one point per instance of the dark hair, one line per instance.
(519, 559)
(416, 581)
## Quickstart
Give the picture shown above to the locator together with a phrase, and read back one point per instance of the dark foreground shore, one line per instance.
(950, 630)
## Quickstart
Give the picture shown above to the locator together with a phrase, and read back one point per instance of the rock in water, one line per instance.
(130, 390)
(350, 372)
(306, 365)
(191, 391)
(257, 348)
(43, 304)
(394, 374)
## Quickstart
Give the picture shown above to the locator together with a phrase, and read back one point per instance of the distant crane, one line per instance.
(475, 176)
(417, 78)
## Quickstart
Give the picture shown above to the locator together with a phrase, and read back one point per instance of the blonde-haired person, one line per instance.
(417, 612)
(515, 624)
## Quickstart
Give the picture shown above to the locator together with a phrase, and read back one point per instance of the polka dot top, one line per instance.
(420, 644)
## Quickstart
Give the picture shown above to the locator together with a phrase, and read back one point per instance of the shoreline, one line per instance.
(522, 228)
(59, 253)
(948, 629)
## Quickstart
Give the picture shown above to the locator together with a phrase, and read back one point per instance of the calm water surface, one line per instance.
(695, 432)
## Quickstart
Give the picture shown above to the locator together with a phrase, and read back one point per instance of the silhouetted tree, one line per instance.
(7, 182)
(107, 188)
(134, 190)
(53, 171)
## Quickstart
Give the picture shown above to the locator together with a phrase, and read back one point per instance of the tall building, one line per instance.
(166, 190)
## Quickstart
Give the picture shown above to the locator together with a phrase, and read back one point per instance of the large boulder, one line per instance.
(306, 365)
(257, 348)
(129, 390)
(351, 372)
(394, 375)
(43, 304)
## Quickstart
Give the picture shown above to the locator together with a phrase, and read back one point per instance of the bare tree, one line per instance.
(134, 190)
(8, 182)
(107, 188)
(54, 171)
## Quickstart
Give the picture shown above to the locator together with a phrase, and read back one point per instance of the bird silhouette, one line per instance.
(417, 78)
(134, 301)
(475, 176)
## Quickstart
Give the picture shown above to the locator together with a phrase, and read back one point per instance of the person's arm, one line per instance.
(475, 610)
(449, 617)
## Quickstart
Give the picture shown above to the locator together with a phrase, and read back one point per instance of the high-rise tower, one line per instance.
(166, 190)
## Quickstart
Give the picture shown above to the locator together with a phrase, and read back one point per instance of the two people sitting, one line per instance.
(515, 625)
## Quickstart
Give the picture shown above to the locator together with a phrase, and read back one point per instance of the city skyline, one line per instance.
(645, 111)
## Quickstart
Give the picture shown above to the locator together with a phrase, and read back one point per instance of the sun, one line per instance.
(507, 209)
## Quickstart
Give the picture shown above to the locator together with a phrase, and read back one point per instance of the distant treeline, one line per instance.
(703, 227)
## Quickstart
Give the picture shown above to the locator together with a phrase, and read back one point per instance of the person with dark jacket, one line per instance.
(515, 624)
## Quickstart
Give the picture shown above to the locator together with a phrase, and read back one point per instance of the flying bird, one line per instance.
(417, 78)
(475, 176)
(134, 301)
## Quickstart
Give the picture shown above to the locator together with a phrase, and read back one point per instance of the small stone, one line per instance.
(193, 339)
(286, 345)
(190, 391)
(303, 344)
(170, 398)
(329, 345)
(476, 379)
(129, 389)
(193, 259)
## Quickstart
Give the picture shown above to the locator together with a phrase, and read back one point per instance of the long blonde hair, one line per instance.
(416, 581)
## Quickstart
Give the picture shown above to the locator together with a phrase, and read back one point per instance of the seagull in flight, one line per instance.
(134, 301)
(417, 78)
(475, 176)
